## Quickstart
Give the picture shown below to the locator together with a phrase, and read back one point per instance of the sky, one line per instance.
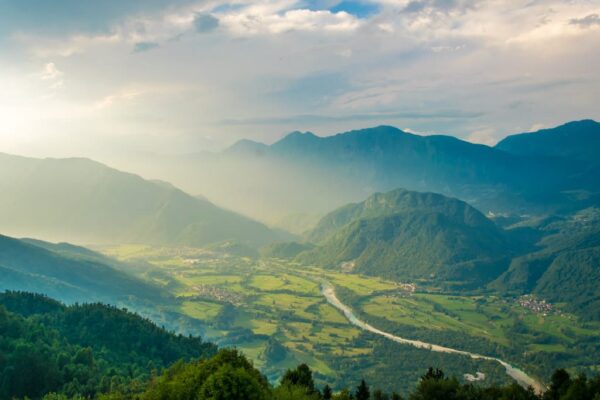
(115, 78)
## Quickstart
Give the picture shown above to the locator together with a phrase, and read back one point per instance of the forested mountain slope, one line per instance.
(403, 234)
(71, 274)
(82, 350)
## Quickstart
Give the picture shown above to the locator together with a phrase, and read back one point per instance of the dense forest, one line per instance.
(55, 352)
(82, 350)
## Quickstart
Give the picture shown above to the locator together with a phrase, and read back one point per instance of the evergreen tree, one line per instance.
(301, 376)
(559, 383)
(362, 391)
(327, 393)
(344, 394)
(379, 395)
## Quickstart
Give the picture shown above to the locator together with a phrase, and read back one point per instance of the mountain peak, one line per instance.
(584, 123)
(295, 140)
(578, 140)
(298, 135)
(375, 131)
(246, 146)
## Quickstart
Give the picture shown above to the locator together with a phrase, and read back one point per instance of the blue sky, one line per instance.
(102, 78)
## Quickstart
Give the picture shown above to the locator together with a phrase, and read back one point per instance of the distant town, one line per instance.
(538, 306)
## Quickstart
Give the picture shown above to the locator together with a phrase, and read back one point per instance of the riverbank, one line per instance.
(518, 375)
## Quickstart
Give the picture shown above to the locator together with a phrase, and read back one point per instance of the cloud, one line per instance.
(262, 19)
(50, 72)
(486, 136)
(381, 116)
(587, 21)
(205, 23)
(59, 17)
(52, 75)
(317, 64)
(44, 47)
(110, 100)
(144, 46)
(312, 91)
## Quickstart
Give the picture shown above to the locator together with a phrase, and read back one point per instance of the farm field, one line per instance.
(274, 312)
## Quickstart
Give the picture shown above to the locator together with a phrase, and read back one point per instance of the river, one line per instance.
(518, 375)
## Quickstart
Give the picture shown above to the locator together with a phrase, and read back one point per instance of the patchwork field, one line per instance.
(274, 311)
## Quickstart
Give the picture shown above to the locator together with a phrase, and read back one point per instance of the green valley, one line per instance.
(273, 310)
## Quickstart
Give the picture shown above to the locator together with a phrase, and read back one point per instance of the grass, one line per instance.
(486, 317)
(283, 300)
(203, 310)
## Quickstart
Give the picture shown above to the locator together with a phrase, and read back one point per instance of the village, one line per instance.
(216, 293)
(538, 306)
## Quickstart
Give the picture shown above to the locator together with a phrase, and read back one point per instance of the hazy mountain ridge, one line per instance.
(82, 201)
(305, 174)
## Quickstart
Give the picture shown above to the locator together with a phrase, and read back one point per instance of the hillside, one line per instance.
(564, 268)
(393, 202)
(407, 235)
(82, 350)
(70, 275)
(82, 201)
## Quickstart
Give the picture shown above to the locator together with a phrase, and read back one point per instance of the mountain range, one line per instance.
(82, 201)
(294, 181)
(519, 217)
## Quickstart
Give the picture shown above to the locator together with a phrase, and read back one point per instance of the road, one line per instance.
(518, 375)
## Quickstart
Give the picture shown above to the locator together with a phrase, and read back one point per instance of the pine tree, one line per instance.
(362, 391)
(379, 395)
(327, 393)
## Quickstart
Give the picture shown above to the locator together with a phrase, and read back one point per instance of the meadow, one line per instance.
(274, 312)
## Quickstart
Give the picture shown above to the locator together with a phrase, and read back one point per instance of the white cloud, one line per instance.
(52, 75)
(266, 20)
(483, 136)
(50, 72)
(111, 99)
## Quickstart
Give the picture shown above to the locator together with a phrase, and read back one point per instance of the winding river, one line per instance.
(518, 375)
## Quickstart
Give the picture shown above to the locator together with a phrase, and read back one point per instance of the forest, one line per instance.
(55, 352)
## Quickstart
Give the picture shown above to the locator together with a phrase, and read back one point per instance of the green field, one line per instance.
(249, 303)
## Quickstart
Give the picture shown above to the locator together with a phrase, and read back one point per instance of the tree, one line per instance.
(227, 376)
(436, 388)
(294, 392)
(327, 393)
(436, 374)
(344, 394)
(274, 351)
(379, 395)
(301, 376)
(559, 383)
(229, 383)
(362, 391)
